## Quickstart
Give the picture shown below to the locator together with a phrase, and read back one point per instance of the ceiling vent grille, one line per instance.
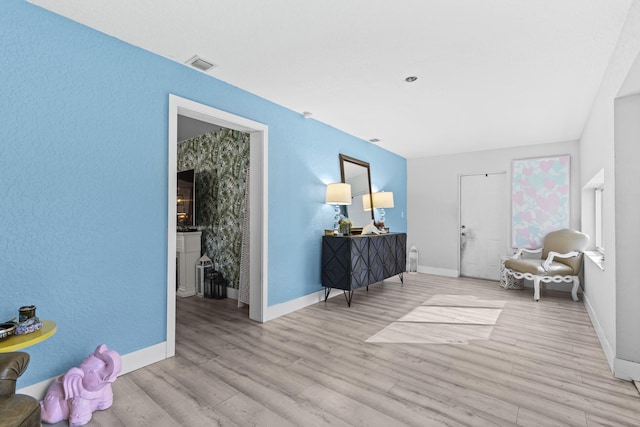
(200, 64)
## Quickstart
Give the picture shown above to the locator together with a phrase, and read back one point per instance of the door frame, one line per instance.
(258, 200)
(507, 202)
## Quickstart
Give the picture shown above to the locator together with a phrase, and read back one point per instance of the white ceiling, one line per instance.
(491, 73)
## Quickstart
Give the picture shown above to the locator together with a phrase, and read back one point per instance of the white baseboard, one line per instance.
(143, 357)
(130, 362)
(278, 310)
(438, 271)
(37, 390)
(626, 370)
(604, 343)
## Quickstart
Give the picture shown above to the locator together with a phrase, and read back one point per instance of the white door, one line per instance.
(483, 224)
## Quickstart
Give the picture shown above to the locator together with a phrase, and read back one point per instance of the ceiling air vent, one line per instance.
(200, 64)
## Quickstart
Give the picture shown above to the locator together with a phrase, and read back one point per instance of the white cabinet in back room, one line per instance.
(187, 255)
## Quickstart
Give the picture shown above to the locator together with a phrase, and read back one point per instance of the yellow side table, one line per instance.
(18, 342)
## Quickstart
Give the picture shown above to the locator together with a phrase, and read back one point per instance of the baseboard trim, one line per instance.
(604, 342)
(626, 370)
(438, 271)
(143, 357)
(130, 362)
(37, 390)
(275, 311)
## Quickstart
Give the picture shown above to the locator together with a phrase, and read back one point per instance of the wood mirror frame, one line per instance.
(346, 174)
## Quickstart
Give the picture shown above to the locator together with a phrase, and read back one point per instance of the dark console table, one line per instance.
(353, 262)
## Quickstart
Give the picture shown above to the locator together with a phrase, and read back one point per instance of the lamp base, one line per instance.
(336, 220)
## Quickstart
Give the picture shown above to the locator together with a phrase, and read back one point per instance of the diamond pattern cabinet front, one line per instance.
(389, 255)
(345, 262)
(377, 254)
(401, 252)
(360, 266)
(353, 262)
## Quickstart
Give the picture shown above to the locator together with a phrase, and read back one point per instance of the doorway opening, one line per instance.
(257, 198)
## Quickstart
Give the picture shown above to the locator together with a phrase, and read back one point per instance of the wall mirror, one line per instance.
(357, 173)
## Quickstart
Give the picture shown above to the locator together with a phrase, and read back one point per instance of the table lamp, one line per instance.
(382, 200)
(338, 194)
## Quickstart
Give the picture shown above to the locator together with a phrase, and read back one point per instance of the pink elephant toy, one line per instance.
(75, 395)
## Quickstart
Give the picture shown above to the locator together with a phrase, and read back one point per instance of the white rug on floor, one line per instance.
(469, 315)
(462, 301)
(444, 319)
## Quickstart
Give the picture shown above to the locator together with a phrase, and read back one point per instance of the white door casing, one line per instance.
(258, 194)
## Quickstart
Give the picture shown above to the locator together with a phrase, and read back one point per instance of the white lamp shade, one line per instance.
(366, 202)
(383, 199)
(338, 194)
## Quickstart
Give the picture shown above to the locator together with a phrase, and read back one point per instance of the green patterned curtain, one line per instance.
(220, 159)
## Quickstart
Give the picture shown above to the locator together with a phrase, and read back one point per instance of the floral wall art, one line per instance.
(539, 199)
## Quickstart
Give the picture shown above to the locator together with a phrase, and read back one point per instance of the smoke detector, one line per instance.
(200, 64)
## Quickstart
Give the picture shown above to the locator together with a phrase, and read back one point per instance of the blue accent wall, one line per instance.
(83, 173)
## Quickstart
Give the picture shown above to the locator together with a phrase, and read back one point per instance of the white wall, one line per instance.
(597, 151)
(627, 150)
(432, 193)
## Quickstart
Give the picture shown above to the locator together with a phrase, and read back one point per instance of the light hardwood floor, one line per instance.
(541, 366)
